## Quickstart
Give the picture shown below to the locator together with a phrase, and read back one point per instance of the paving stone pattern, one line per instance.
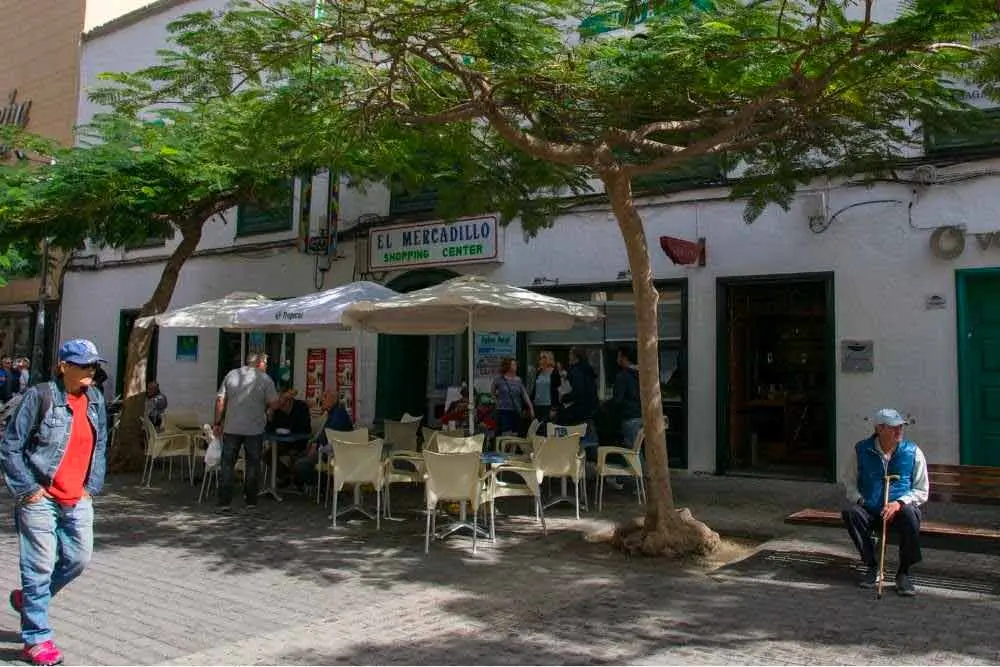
(172, 582)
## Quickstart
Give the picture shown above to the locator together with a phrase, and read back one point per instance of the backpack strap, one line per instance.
(47, 397)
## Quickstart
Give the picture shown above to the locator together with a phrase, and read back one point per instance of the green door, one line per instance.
(126, 322)
(402, 372)
(979, 368)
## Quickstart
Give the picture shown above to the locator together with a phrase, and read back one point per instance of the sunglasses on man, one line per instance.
(85, 367)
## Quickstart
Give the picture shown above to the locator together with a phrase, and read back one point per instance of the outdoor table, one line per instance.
(277, 439)
(488, 459)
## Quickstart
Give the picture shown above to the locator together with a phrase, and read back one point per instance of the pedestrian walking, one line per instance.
(52, 457)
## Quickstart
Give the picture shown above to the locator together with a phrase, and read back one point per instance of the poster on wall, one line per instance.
(187, 348)
(315, 376)
(491, 348)
(345, 379)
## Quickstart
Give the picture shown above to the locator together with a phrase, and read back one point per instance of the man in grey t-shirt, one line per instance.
(241, 407)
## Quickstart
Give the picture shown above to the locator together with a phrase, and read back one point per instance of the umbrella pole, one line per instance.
(243, 348)
(472, 390)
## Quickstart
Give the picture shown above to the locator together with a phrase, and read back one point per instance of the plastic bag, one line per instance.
(213, 455)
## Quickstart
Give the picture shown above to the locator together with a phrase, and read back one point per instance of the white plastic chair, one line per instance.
(530, 486)
(632, 468)
(511, 444)
(358, 463)
(404, 464)
(358, 435)
(561, 457)
(456, 478)
(450, 444)
(168, 446)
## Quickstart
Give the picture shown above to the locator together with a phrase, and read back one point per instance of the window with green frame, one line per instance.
(404, 202)
(701, 171)
(150, 242)
(267, 217)
(953, 135)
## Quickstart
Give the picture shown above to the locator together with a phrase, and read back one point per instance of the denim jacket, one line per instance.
(30, 461)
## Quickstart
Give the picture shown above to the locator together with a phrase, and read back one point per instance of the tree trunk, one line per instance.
(664, 530)
(129, 450)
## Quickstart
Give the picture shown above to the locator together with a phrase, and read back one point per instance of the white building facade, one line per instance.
(773, 353)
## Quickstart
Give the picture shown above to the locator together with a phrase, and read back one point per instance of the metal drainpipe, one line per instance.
(38, 346)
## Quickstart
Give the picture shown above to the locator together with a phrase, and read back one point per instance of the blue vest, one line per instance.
(872, 470)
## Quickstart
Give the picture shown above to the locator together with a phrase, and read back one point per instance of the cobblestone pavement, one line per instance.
(172, 582)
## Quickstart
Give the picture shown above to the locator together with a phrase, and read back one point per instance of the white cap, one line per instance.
(890, 417)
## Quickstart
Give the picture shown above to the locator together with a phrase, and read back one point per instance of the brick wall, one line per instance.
(39, 55)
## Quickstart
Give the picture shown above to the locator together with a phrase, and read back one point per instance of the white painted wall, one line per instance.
(879, 254)
(93, 300)
(881, 259)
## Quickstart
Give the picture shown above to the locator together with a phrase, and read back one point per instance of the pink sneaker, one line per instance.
(45, 653)
(16, 599)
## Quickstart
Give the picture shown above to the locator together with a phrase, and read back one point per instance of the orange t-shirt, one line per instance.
(67, 484)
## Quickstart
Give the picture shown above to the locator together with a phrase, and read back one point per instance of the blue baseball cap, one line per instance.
(890, 417)
(80, 352)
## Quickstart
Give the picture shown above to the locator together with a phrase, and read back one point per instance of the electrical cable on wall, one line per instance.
(820, 225)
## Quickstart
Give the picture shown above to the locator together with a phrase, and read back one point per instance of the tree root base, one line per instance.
(679, 536)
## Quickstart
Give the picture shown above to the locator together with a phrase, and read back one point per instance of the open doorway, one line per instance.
(776, 377)
(413, 371)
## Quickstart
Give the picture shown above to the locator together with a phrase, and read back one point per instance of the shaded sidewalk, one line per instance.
(173, 582)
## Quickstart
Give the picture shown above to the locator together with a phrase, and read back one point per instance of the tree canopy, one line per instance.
(508, 104)
(784, 89)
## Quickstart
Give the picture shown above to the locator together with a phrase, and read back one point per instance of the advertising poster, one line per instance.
(315, 376)
(345, 378)
(491, 348)
(187, 348)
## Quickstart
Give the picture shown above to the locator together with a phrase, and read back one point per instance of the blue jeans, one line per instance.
(252, 445)
(630, 429)
(55, 544)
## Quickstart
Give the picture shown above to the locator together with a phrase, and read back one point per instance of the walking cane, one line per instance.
(885, 526)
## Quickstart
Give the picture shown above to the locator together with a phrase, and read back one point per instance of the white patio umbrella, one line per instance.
(319, 310)
(214, 314)
(468, 302)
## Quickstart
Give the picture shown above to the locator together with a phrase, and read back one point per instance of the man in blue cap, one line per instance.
(886, 454)
(52, 458)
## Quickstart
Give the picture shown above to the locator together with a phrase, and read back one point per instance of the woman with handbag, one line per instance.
(512, 399)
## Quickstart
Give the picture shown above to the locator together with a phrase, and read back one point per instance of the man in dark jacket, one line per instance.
(337, 419)
(626, 401)
(580, 405)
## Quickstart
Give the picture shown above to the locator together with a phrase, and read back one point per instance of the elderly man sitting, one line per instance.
(886, 457)
(337, 419)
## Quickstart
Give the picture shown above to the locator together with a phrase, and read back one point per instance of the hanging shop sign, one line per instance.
(463, 241)
(949, 242)
(15, 113)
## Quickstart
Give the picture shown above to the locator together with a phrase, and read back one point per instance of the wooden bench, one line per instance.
(978, 485)
(950, 484)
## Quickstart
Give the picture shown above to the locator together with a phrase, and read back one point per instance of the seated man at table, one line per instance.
(291, 415)
(337, 419)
